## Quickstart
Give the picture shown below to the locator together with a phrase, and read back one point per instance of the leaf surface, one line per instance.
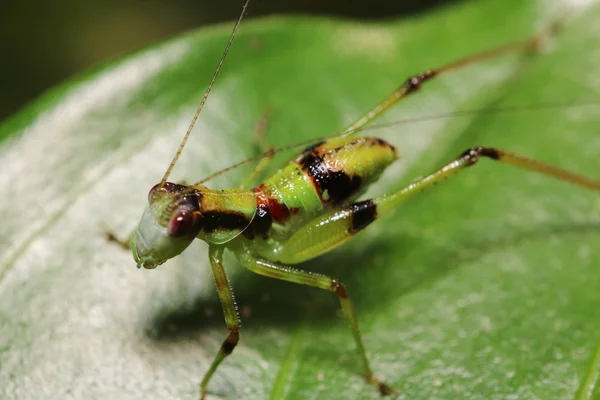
(485, 287)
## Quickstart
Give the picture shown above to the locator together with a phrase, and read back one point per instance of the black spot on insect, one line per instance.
(230, 343)
(190, 202)
(489, 152)
(363, 213)
(413, 83)
(333, 186)
(340, 186)
(222, 220)
(470, 156)
(263, 220)
(308, 158)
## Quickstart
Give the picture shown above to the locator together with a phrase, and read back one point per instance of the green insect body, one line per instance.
(305, 209)
(257, 225)
(324, 177)
(173, 219)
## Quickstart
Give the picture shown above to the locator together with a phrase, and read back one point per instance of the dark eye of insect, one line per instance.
(181, 224)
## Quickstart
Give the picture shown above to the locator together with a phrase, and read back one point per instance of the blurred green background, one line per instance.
(46, 42)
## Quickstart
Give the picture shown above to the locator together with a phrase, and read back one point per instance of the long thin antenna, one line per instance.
(409, 120)
(208, 89)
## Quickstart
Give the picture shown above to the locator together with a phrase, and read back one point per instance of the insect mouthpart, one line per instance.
(142, 253)
(146, 265)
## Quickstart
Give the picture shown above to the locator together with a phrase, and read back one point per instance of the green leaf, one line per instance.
(486, 287)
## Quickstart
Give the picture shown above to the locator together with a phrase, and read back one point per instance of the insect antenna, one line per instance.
(478, 111)
(206, 93)
(408, 120)
(267, 153)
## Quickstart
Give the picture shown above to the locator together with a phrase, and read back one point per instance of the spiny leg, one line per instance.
(414, 83)
(287, 273)
(332, 229)
(232, 318)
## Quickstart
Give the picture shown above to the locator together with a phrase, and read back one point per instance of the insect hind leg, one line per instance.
(334, 228)
(415, 82)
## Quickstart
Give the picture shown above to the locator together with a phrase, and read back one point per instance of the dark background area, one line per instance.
(44, 43)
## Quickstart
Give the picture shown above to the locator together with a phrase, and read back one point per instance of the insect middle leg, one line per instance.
(287, 273)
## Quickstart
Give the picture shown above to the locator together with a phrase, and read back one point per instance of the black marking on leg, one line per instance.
(384, 389)
(339, 288)
(489, 152)
(471, 156)
(231, 341)
(413, 83)
(363, 213)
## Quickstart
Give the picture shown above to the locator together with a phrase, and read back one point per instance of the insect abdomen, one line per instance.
(326, 175)
(341, 169)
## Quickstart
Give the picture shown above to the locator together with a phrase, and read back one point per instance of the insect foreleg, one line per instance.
(287, 273)
(334, 228)
(232, 319)
(414, 83)
(111, 237)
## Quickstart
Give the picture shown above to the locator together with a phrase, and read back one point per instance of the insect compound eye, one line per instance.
(181, 224)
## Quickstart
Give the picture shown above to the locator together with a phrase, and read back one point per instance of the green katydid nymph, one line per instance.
(308, 207)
